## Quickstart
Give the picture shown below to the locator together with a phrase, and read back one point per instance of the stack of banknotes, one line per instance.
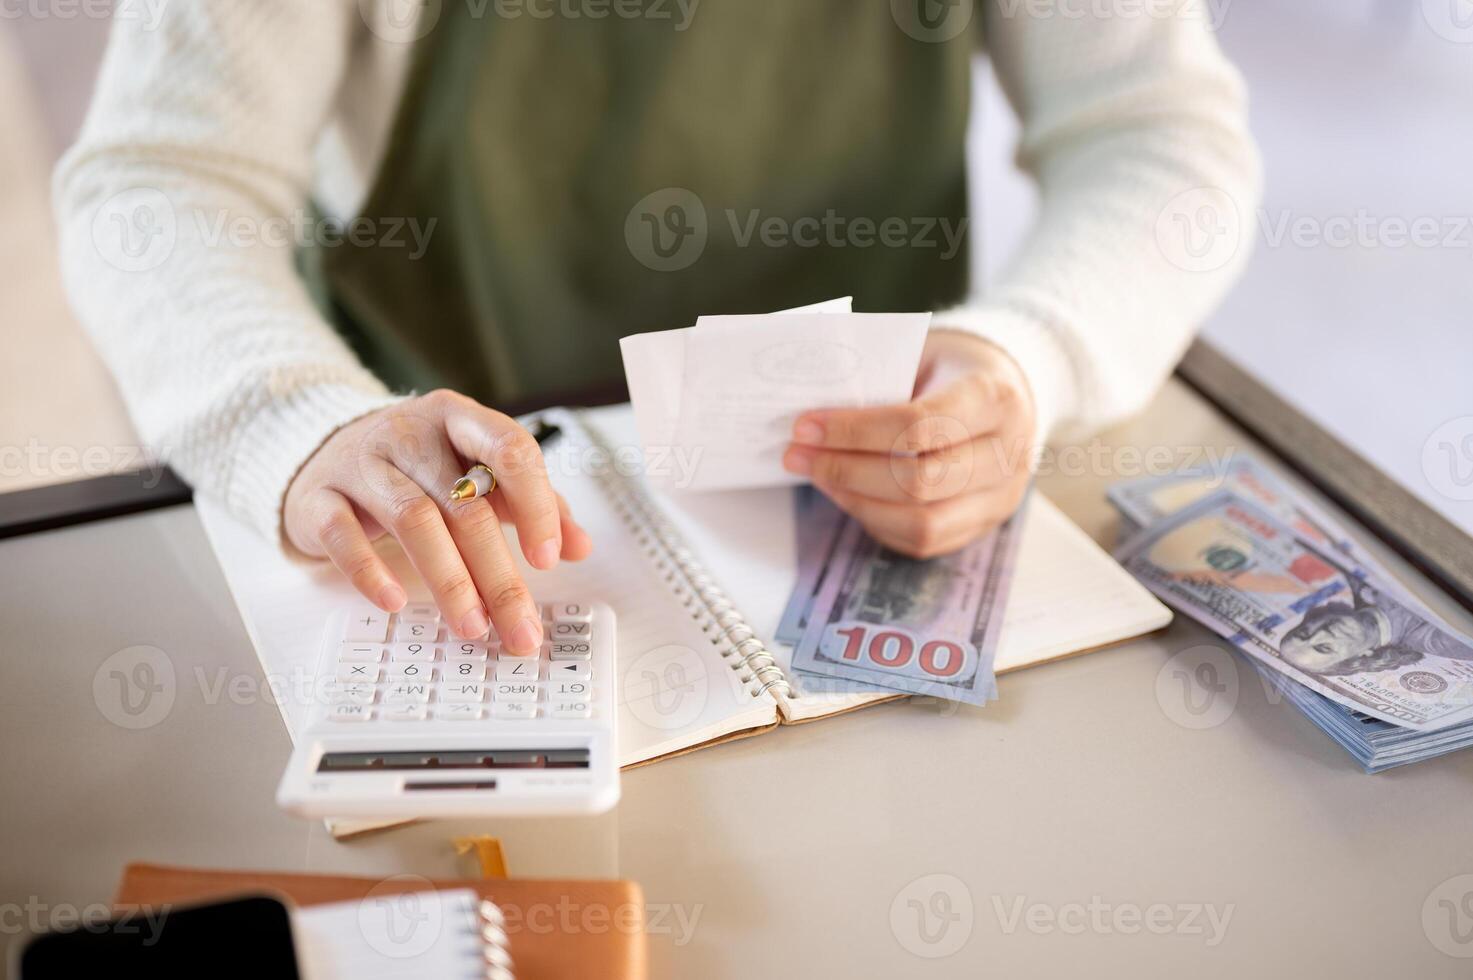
(1241, 553)
(863, 618)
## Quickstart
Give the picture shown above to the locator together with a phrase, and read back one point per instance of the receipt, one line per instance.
(721, 397)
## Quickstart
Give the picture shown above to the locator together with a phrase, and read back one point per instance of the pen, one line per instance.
(479, 480)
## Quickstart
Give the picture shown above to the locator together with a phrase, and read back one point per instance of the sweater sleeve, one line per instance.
(1134, 127)
(179, 208)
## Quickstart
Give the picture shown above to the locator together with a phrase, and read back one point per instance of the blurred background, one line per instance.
(1357, 307)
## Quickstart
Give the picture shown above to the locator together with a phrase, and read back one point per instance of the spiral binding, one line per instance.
(494, 942)
(688, 579)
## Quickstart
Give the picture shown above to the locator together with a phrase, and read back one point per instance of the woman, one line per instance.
(549, 158)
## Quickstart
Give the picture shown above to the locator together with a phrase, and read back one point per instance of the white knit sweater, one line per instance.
(211, 128)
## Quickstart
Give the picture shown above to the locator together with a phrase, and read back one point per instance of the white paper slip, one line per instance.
(715, 404)
(654, 365)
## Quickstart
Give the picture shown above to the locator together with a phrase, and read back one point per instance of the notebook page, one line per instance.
(1069, 595)
(391, 937)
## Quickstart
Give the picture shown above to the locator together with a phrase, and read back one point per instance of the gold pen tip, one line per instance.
(464, 490)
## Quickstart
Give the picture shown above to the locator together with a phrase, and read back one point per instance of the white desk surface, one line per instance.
(1058, 817)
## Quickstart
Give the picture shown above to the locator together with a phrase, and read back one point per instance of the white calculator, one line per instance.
(408, 720)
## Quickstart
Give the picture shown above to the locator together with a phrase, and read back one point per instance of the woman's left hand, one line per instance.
(929, 476)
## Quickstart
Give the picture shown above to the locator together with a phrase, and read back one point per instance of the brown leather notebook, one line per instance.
(557, 929)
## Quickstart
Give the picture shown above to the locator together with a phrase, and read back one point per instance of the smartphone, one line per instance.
(248, 936)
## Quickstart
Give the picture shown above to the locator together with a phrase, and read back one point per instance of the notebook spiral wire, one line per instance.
(494, 942)
(713, 611)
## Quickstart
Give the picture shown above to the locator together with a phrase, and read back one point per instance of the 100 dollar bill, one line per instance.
(1305, 610)
(818, 523)
(920, 627)
(1148, 500)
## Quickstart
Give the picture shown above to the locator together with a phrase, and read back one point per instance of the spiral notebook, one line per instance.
(335, 916)
(404, 936)
(698, 581)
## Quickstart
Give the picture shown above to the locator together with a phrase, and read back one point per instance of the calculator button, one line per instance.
(464, 670)
(571, 612)
(516, 691)
(572, 709)
(352, 693)
(570, 690)
(419, 612)
(517, 668)
(416, 631)
(459, 712)
(570, 650)
(357, 673)
(405, 712)
(360, 653)
(467, 650)
(416, 692)
(571, 631)
(462, 692)
(570, 670)
(415, 652)
(410, 672)
(513, 710)
(367, 624)
(349, 712)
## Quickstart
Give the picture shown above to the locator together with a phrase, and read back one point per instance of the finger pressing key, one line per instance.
(478, 535)
(407, 512)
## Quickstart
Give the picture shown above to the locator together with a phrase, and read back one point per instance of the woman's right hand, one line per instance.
(391, 472)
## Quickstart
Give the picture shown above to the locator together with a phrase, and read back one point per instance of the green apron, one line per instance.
(592, 178)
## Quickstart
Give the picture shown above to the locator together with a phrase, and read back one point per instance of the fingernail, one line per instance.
(545, 555)
(526, 636)
(808, 431)
(392, 598)
(797, 461)
(474, 624)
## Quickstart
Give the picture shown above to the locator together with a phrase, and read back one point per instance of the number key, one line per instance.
(465, 670)
(410, 672)
(571, 612)
(424, 632)
(422, 653)
(517, 669)
(467, 650)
